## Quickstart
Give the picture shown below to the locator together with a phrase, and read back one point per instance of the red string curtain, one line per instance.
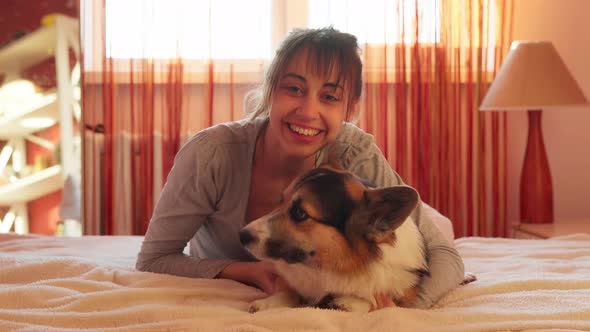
(141, 106)
(424, 80)
(421, 103)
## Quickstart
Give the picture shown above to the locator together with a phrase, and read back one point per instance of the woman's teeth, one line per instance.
(303, 131)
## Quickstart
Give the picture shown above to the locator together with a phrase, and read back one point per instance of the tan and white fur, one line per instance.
(337, 243)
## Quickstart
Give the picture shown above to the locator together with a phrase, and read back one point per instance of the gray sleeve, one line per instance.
(187, 199)
(445, 264)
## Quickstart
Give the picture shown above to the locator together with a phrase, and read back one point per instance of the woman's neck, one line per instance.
(273, 161)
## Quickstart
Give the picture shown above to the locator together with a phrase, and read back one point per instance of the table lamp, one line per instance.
(533, 77)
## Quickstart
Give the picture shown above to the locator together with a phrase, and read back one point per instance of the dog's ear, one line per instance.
(386, 209)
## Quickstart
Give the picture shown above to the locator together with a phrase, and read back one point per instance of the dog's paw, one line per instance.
(265, 304)
(468, 278)
(347, 303)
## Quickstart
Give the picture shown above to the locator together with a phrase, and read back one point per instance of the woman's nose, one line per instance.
(309, 108)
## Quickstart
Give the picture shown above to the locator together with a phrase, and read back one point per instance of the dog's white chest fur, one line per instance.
(392, 274)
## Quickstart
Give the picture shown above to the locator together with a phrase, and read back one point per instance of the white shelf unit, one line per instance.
(31, 187)
(55, 39)
(11, 124)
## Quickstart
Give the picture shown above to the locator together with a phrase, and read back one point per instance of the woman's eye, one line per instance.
(297, 213)
(331, 98)
(294, 89)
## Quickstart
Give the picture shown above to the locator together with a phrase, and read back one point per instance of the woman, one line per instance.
(233, 173)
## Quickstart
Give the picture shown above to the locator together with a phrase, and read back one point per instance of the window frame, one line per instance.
(286, 15)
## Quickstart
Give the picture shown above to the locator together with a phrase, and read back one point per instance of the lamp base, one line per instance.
(536, 189)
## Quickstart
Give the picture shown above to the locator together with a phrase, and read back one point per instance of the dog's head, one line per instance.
(330, 220)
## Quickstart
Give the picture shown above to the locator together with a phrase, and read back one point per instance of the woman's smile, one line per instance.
(303, 133)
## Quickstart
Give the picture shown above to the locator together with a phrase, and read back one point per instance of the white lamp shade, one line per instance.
(533, 76)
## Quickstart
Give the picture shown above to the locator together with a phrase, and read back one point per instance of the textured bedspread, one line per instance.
(89, 284)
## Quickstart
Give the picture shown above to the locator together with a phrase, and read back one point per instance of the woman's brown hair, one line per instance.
(328, 49)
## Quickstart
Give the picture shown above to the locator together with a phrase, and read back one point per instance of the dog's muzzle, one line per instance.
(278, 250)
(269, 248)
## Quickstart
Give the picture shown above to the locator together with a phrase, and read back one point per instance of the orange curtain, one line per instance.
(137, 114)
(421, 103)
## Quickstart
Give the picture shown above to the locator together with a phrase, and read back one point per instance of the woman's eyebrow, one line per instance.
(297, 76)
(301, 78)
(333, 85)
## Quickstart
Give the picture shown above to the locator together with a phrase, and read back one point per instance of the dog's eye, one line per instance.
(297, 213)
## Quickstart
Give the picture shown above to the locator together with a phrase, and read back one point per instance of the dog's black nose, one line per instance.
(246, 237)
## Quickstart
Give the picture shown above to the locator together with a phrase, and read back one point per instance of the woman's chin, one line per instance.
(299, 153)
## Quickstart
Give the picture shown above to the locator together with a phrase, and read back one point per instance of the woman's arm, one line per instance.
(191, 194)
(446, 266)
(187, 200)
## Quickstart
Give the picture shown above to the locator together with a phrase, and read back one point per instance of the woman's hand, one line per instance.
(383, 301)
(260, 274)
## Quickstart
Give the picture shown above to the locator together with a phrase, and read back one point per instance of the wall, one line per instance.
(567, 134)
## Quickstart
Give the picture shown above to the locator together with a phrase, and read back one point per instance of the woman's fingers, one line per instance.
(268, 283)
(266, 277)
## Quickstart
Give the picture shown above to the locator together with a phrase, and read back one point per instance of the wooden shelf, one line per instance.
(28, 50)
(31, 49)
(10, 124)
(32, 187)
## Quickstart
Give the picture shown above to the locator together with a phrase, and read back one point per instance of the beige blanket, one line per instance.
(89, 284)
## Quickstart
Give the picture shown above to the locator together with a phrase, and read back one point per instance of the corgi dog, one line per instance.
(337, 242)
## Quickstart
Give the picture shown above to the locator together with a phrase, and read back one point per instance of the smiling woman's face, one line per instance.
(307, 110)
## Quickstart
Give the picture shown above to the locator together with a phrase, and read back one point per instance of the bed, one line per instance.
(89, 284)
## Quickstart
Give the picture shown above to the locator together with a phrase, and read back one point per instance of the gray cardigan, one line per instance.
(205, 196)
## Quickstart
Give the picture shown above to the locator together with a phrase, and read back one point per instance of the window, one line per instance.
(251, 29)
(182, 28)
(374, 21)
